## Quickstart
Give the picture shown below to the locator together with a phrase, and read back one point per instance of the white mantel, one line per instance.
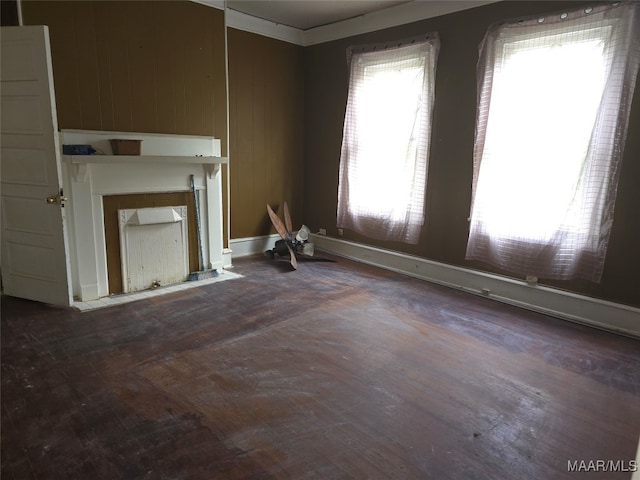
(165, 165)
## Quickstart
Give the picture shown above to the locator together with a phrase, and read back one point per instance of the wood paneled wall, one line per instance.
(266, 115)
(445, 232)
(155, 66)
(9, 13)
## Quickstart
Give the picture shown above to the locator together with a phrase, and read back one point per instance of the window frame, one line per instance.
(394, 224)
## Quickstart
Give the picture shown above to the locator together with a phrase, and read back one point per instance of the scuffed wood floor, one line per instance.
(335, 371)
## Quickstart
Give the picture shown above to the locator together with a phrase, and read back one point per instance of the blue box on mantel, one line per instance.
(78, 150)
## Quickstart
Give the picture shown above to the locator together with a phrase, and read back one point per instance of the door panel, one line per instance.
(22, 166)
(34, 245)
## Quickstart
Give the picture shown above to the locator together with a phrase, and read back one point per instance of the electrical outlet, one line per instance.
(340, 232)
(322, 231)
(531, 279)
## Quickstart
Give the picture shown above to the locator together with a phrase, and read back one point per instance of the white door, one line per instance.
(34, 244)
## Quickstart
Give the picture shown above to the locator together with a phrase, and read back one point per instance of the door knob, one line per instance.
(57, 199)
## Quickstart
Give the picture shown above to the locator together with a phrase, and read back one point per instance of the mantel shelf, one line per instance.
(80, 163)
(145, 159)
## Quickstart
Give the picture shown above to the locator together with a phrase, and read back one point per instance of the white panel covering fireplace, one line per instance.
(154, 250)
(165, 165)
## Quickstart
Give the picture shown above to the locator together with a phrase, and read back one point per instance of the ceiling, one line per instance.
(308, 14)
(310, 22)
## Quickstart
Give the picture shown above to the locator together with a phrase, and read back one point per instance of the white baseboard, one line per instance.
(241, 247)
(590, 311)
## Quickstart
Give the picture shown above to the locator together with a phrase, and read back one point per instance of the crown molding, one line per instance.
(389, 17)
(266, 28)
(219, 4)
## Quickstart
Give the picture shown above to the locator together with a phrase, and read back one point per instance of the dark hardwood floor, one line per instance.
(334, 371)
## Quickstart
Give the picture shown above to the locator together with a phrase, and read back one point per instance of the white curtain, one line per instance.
(554, 98)
(385, 145)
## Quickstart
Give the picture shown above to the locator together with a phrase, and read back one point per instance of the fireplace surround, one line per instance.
(165, 165)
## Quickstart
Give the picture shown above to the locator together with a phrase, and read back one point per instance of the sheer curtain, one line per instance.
(385, 145)
(554, 98)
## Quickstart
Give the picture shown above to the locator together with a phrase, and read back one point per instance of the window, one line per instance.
(554, 99)
(385, 145)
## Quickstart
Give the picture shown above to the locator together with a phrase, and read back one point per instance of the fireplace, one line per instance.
(165, 165)
(112, 204)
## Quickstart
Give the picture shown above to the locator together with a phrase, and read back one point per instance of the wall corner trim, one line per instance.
(601, 314)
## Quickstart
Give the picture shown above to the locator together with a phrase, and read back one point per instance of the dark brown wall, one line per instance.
(266, 116)
(445, 232)
(9, 13)
(153, 66)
